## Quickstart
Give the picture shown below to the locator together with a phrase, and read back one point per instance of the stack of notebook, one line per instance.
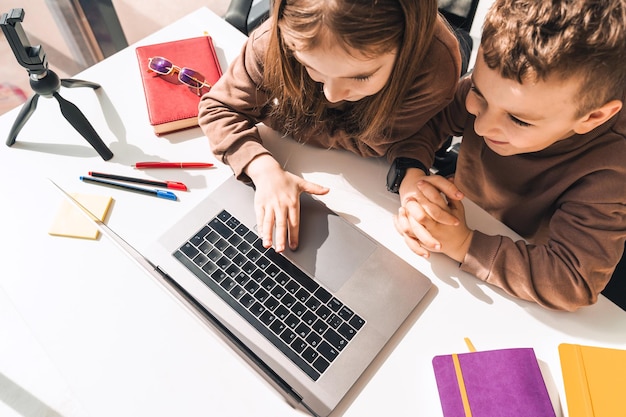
(509, 383)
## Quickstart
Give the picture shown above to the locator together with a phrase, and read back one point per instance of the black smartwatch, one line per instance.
(398, 171)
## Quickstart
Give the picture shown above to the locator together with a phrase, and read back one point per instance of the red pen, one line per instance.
(172, 165)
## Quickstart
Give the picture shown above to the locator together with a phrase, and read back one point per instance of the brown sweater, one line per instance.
(229, 112)
(568, 201)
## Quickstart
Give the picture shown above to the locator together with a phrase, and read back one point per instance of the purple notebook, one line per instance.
(503, 383)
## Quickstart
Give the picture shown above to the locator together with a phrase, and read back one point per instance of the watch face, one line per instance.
(394, 177)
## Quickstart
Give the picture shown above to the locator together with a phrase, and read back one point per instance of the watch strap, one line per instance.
(397, 171)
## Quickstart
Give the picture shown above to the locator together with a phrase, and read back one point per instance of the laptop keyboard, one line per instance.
(300, 317)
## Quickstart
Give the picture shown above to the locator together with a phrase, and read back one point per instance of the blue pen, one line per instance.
(157, 193)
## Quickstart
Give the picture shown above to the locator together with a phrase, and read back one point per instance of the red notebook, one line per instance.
(171, 104)
(503, 383)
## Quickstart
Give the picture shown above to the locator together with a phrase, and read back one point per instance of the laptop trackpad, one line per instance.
(330, 248)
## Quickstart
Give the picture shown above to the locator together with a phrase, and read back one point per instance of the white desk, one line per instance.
(84, 332)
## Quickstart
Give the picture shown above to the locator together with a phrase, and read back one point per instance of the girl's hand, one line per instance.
(409, 232)
(277, 201)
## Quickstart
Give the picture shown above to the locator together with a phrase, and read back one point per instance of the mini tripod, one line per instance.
(45, 82)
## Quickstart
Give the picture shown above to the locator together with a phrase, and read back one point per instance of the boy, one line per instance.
(543, 151)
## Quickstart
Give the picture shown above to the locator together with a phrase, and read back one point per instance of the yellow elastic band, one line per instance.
(582, 375)
(459, 378)
(469, 344)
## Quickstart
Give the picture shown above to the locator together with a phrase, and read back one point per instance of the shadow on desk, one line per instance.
(81, 149)
(365, 175)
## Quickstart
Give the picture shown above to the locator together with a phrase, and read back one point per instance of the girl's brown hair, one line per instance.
(371, 27)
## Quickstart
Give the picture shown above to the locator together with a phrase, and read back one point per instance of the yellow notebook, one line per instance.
(594, 379)
(71, 222)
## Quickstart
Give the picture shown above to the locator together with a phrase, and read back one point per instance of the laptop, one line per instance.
(310, 321)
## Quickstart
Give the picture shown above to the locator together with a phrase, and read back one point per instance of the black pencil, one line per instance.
(175, 185)
(156, 193)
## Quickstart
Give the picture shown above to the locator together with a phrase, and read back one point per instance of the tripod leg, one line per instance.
(71, 83)
(27, 110)
(78, 120)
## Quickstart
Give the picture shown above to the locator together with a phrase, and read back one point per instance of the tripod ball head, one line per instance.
(45, 85)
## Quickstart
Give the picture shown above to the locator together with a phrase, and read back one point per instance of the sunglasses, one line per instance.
(187, 76)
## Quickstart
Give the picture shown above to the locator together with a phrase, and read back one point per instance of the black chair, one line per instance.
(460, 13)
(246, 15)
(616, 288)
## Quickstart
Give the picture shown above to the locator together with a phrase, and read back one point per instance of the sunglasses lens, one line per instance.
(191, 78)
(160, 65)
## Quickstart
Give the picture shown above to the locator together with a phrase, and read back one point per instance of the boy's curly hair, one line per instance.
(532, 40)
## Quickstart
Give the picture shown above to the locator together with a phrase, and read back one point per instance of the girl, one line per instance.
(350, 74)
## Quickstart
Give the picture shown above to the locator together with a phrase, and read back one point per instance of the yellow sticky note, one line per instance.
(70, 222)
